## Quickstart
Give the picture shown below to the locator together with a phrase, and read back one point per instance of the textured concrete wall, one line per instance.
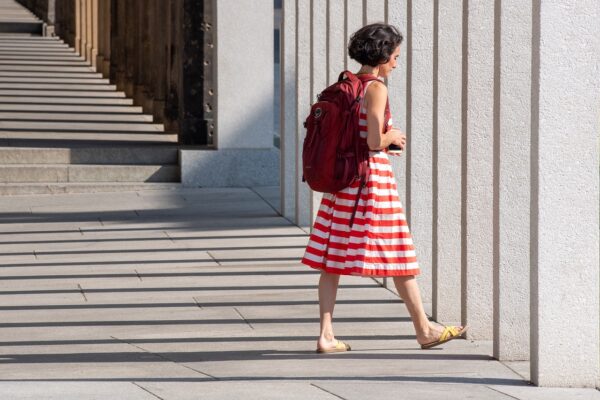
(478, 187)
(303, 87)
(244, 60)
(565, 266)
(511, 164)
(419, 202)
(288, 120)
(447, 157)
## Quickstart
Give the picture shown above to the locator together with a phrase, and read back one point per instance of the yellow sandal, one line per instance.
(449, 333)
(338, 348)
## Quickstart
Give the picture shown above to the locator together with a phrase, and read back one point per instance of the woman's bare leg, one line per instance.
(408, 289)
(328, 284)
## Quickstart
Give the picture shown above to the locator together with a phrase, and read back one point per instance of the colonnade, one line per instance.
(152, 49)
(500, 103)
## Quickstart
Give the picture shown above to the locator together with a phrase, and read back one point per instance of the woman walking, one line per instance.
(378, 243)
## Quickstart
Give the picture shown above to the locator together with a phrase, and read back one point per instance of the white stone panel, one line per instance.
(419, 203)
(303, 87)
(288, 111)
(446, 266)
(565, 232)
(374, 11)
(245, 117)
(336, 40)
(511, 272)
(354, 21)
(478, 197)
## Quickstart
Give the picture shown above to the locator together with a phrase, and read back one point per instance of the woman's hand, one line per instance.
(399, 138)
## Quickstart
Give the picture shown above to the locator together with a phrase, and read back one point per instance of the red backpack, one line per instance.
(333, 155)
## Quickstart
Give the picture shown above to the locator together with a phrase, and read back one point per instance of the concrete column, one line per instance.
(89, 41)
(244, 126)
(374, 11)
(512, 181)
(419, 202)
(99, 61)
(159, 53)
(130, 33)
(303, 85)
(118, 45)
(564, 263)
(288, 119)
(354, 21)
(78, 25)
(336, 40)
(106, 35)
(447, 158)
(478, 187)
(143, 54)
(95, 19)
(397, 88)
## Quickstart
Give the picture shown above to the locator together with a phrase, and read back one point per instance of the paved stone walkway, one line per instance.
(198, 294)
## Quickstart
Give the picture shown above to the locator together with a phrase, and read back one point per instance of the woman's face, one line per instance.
(386, 69)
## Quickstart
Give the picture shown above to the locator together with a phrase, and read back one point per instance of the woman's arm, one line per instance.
(375, 101)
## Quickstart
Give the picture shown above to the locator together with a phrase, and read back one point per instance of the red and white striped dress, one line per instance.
(379, 242)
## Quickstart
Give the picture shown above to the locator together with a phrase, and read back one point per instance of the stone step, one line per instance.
(55, 86)
(124, 155)
(80, 126)
(16, 189)
(49, 75)
(98, 109)
(44, 68)
(29, 39)
(44, 62)
(60, 93)
(19, 138)
(47, 173)
(53, 81)
(65, 100)
(70, 116)
(30, 57)
(10, 44)
(62, 52)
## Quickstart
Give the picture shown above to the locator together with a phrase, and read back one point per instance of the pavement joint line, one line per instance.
(169, 236)
(100, 220)
(82, 292)
(327, 391)
(213, 257)
(165, 358)
(35, 255)
(147, 391)
(197, 303)
(138, 275)
(244, 318)
(263, 199)
(505, 394)
(81, 231)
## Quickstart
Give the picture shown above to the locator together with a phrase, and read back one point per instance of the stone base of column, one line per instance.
(229, 167)
(105, 68)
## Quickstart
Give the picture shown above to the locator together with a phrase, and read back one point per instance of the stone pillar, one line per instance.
(337, 41)
(303, 71)
(142, 8)
(419, 202)
(354, 21)
(159, 50)
(288, 124)
(397, 88)
(173, 100)
(447, 158)
(118, 45)
(512, 172)
(88, 31)
(478, 187)
(244, 127)
(78, 26)
(564, 217)
(106, 37)
(374, 11)
(94, 33)
(130, 37)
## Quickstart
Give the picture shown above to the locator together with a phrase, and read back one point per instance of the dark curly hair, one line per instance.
(374, 44)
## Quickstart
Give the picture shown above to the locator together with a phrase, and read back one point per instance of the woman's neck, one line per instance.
(367, 69)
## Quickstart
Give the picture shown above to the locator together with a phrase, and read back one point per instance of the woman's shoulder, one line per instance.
(376, 89)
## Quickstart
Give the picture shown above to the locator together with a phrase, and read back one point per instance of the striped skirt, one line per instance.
(379, 242)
